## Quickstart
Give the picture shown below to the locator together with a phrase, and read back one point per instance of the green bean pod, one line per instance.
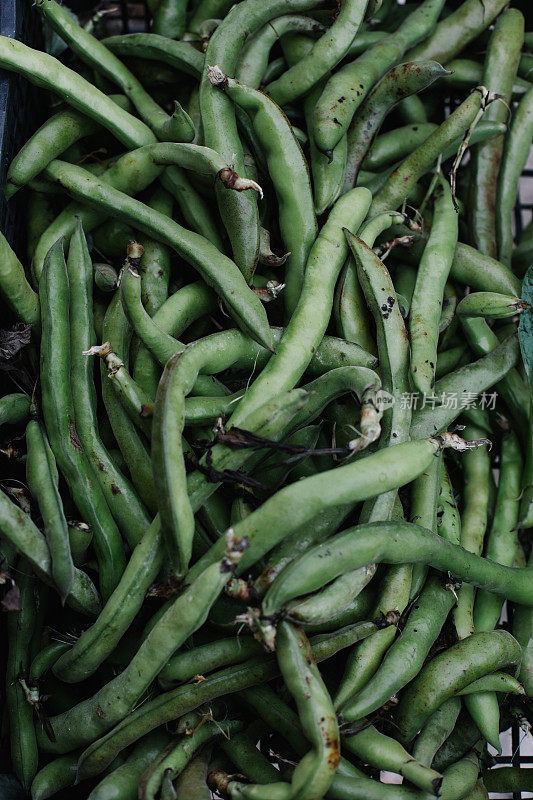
(404, 177)
(384, 752)
(170, 19)
(177, 702)
(436, 730)
(448, 517)
(193, 780)
(389, 147)
(348, 87)
(324, 55)
(452, 670)
(254, 56)
(495, 682)
(97, 642)
(18, 529)
(15, 287)
(515, 153)
(92, 717)
(124, 504)
(490, 304)
(284, 157)
(426, 304)
(52, 139)
(175, 757)
(311, 316)
(457, 30)
(507, 780)
(501, 62)
(14, 408)
(96, 55)
(59, 416)
(54, 776)
(482, 340)
(46, 71)
(217, 270)
(501, 545)
(239, 214)
(208, 657)
(347, 552)
(468, 382)
(152, 46)
(42, 477)
(399, 82)
(314, 773)
(117, 331)
(123, 781)
(177, 312)
(467, 73)
(380, 472)
(155, 261)
(404, 659)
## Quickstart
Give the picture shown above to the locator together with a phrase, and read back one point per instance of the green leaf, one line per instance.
(525, 328)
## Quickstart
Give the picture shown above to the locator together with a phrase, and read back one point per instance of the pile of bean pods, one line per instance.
(266, 443)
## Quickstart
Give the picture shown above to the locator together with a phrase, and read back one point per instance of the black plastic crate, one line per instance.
(22, 108)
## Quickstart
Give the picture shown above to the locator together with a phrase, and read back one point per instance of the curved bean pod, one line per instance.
(14, 408)
(515, 151)
(97, 642)
(46, 71)
(152, 46)
(347, 88)
(254, 56)
(311, 316)
(380, 472)
(490, 304)
(96, 55)
(314, 773)
(324, 55)
(54, 776)
(42, 477)
(495, 682)
(126, 508)
(52, 139)
(356, 547)
(178, 702)
(403, 179)
(383, 752)
(15, 287)
(404, 659)
(20, 629)
(501, 545)
(501, 62)
(453, 33)
(399, 82)
(17, 528)
(474, 379)
(436, 730)
(284, 157)
(92, 717)
(216, 269)
(124, 780)
(389, 147)
(175, 757)
(469, 659)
